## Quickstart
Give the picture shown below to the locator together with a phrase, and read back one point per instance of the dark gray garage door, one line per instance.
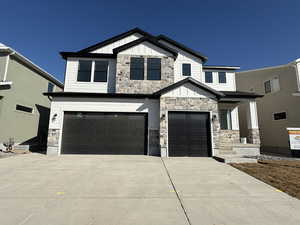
(104, 133)
(189, 134)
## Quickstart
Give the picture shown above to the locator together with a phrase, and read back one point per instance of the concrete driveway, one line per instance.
(112, 190)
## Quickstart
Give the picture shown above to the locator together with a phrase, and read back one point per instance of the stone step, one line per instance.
(226, 153)
(234, 159)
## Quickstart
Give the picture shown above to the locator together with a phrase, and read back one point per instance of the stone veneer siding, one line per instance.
(187, 104)
(253, 136)
(228, 138)
(125, 85)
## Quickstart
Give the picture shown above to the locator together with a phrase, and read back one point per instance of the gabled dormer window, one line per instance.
(186, 69)
(136, 68)
(153, 68)
(84, 71)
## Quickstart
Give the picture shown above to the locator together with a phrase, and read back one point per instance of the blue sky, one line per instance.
(249, 34)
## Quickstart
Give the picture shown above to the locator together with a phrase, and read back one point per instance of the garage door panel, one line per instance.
(189, 134)
(104, 133)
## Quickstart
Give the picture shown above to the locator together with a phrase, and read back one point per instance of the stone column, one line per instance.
(252, 121)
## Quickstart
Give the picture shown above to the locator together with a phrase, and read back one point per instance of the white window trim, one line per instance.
(271, 79)
(228, 118)
(226, 78)
(92, 70)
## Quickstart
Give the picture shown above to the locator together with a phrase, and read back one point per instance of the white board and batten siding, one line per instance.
(109, 48)
(230, 84)
(72, 85)
(185, 57)
(188, 91)
(145, 48)
(61, 105)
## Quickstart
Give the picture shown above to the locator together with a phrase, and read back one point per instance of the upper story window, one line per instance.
(84, 71)
(222, 77)
(100, 73)
(186, 69)
(153, 68)
(95, 71)
(267, 86)
(208, 77)
(272, 85)
(225, 119)
(50, 87)
(136, 68)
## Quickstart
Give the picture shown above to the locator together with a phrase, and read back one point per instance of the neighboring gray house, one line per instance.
(136, 93)
(280, 106)
(24, 110)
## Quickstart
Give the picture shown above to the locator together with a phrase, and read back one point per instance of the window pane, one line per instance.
(279, 116)
(153, 68)
(50, 87)
(137, 69)
(208, 77)
(222, 77)
(225, 119)
(24, 108)
(186, 69)
(100, 73)
(84, 71)
(268, 86)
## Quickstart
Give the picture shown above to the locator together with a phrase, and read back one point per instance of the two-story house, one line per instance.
(24, 110)
(279, 109)
(136, 93)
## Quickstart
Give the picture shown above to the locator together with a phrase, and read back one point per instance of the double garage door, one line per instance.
(104, 133)
(126, 133)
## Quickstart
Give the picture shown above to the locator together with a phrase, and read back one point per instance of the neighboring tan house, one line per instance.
(24, 110)
(280, 106)
(136, 93)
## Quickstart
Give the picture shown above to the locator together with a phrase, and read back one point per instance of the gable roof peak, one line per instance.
(192, 81)
(149, 39)
(114, 38)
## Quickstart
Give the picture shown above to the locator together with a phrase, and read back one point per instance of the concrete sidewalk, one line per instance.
(114, 190)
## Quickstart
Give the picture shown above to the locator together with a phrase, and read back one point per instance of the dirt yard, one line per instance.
(281, 174)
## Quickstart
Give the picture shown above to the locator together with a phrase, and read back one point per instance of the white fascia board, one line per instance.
(3, 83)
(29, 63)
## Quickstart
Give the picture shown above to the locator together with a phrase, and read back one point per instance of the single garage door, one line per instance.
(189, 134)
(104, 133)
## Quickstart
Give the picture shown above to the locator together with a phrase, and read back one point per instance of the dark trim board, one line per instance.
(115, 38)
(188, 149)
(192, 81)
(95, 150)
(182, 47)
(145, 39)
(66, 55)
(98, 95)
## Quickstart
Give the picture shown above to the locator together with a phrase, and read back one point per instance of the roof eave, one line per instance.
(114, 38)
(181, 46)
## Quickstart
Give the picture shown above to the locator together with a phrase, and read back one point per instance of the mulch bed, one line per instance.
(281, 174)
